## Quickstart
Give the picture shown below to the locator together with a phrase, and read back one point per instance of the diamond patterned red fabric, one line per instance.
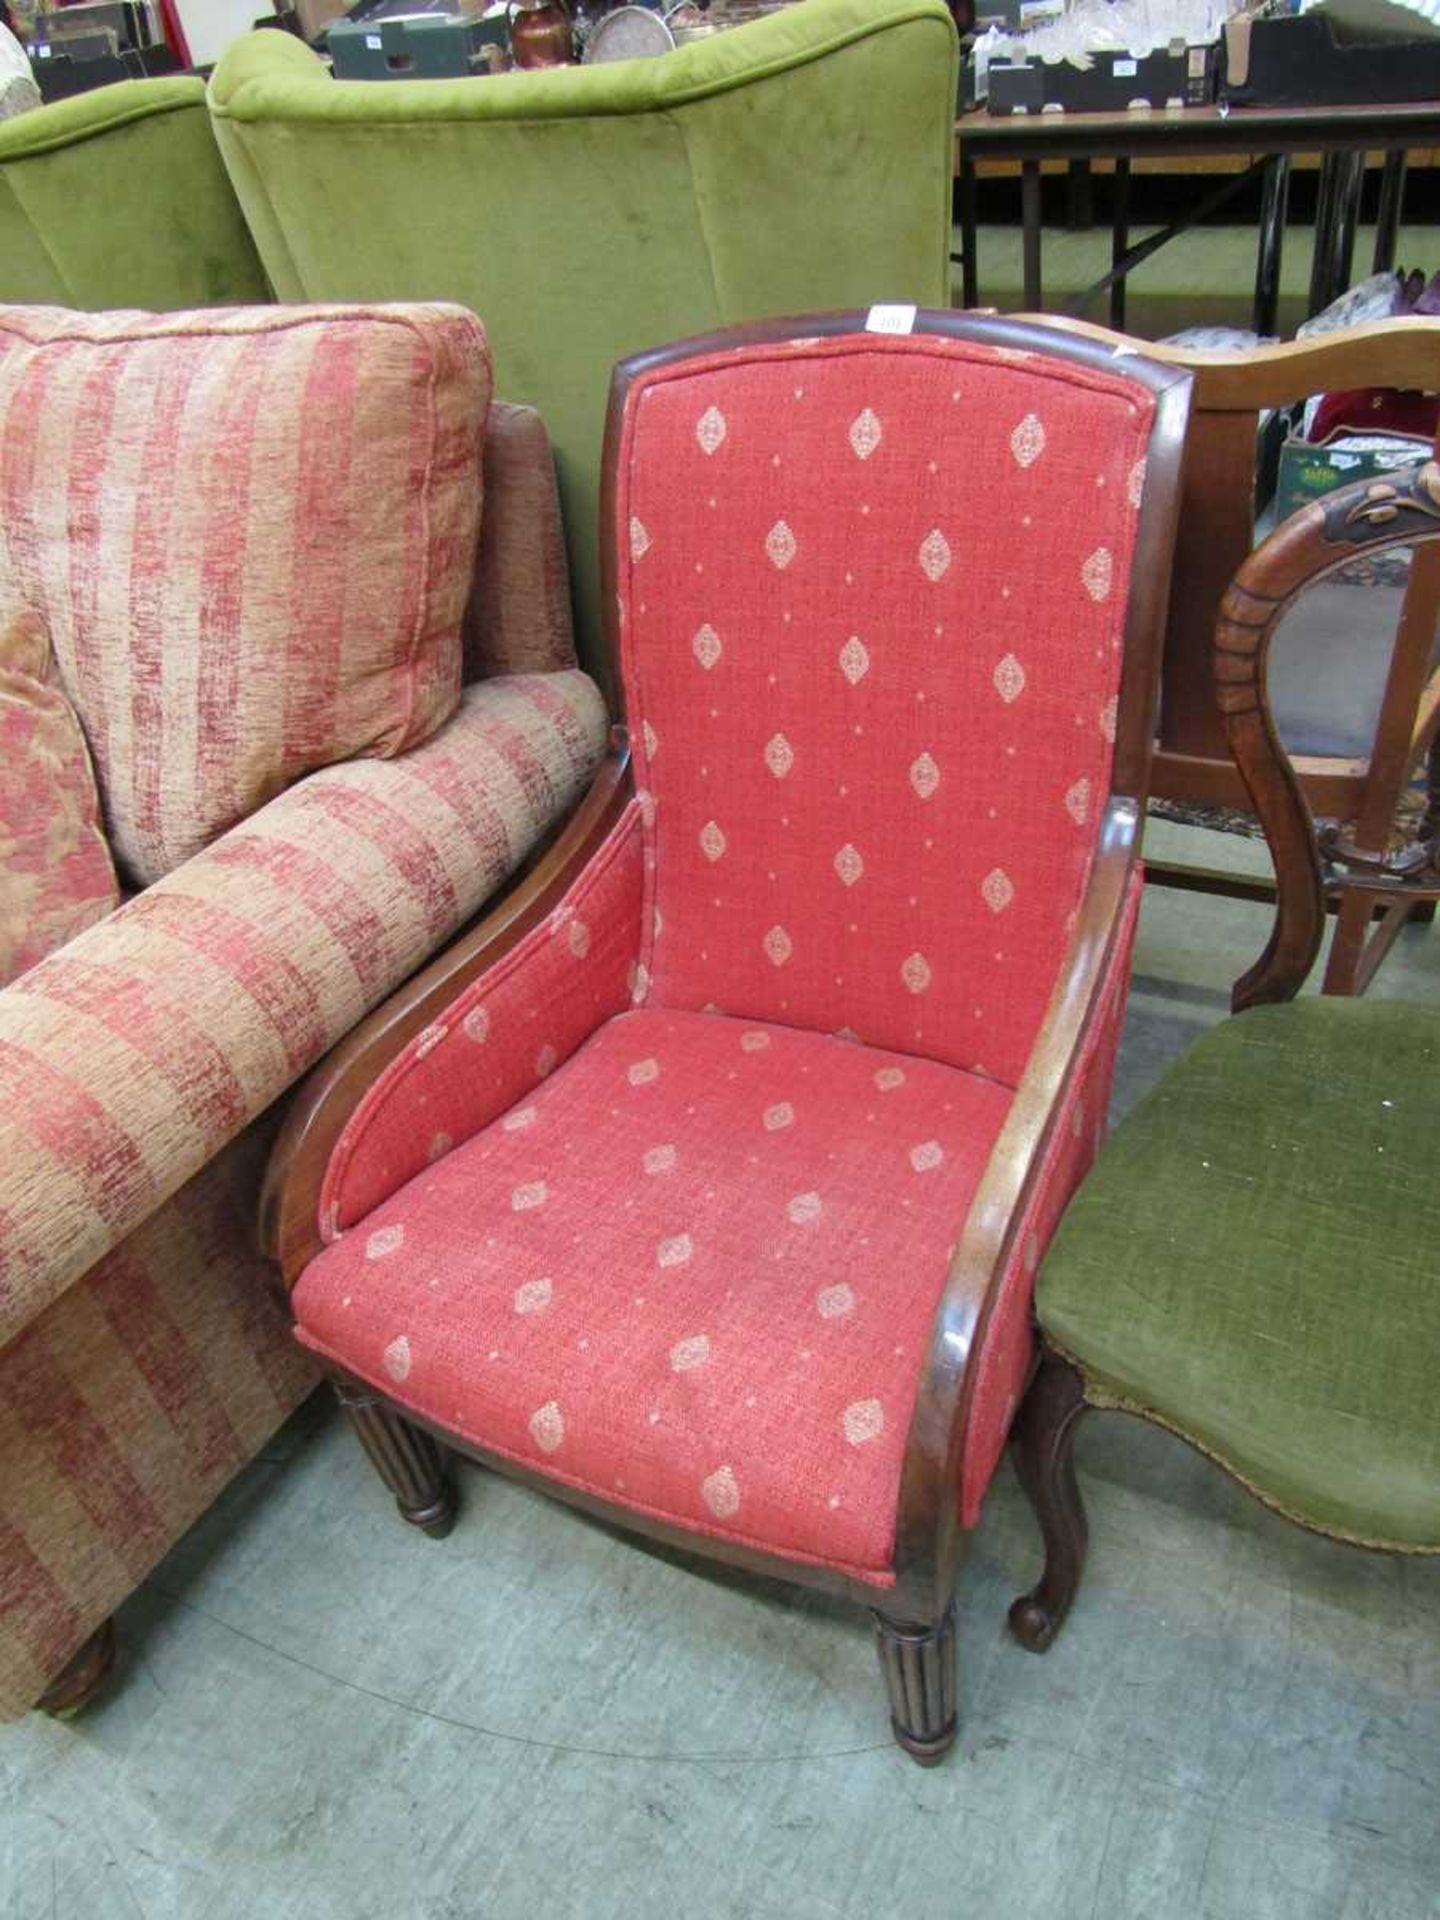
(872, 596)
(693, 1272)
(1007, 1343)
(510, 1030)
(872, 603)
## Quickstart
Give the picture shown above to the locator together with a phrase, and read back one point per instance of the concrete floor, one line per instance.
(323, 1714)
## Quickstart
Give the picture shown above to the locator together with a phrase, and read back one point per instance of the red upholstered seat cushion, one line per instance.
(694, 1272)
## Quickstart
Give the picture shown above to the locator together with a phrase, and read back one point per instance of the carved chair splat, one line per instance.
(1367, 880)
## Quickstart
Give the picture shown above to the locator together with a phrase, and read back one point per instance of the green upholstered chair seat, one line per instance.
(1255, 1262)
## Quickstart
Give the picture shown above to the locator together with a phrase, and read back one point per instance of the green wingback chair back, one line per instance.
(117, 198)
(797, 163)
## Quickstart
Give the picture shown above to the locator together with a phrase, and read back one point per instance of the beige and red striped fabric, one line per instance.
(143, 1359)
(127, 1405)
(56, 875)
(252, 535)
(131, 1057)
(238, 593)
(518, 620)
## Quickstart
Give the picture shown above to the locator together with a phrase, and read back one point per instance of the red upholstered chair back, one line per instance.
(871, 594)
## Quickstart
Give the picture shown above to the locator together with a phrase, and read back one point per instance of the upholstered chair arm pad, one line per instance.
(84, 115)
(983, 1344)
(468, 1038)
(129, 1058)
(518, 620)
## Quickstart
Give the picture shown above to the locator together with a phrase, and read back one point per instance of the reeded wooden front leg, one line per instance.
(82, 1677)
(406, 1458)
(1044, 1440)
(918, 1663)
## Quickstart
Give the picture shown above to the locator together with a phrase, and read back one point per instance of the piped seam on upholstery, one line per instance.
(1106, 1401)
(882, 1578)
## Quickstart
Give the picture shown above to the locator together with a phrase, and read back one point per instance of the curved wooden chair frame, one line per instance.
(1192, 761)
(1355, 519)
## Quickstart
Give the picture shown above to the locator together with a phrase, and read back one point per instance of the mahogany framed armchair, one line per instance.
(703, 1186)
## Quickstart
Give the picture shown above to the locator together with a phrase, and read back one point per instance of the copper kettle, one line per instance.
(540, 35)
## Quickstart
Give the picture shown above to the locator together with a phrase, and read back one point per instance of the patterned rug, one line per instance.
(1217, 819)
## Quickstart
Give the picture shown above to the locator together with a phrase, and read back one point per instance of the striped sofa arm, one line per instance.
(133, 1055)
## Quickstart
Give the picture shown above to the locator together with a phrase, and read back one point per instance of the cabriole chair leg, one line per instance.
(918, 1663)
(1044, 1441)
(82, 1677)
(407, 1459)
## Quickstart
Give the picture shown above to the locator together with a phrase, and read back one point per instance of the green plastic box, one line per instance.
(432, 46)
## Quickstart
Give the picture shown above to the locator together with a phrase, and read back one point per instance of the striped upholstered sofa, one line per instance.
(223, 522)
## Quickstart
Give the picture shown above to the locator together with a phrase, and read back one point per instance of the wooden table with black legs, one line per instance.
(1268, 136)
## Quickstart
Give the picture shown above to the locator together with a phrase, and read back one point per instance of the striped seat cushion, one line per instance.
(252, 535)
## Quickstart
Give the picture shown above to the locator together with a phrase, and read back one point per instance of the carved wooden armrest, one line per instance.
(1310, 544)
(938, 1492)
(330, 1099)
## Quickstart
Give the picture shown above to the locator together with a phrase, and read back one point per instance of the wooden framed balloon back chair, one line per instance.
(703, 1186)
(1377, 870)
(1251, 1261)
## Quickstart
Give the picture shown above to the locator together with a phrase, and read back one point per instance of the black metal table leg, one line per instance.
(1119, 240)
(1322, 244)
(1350, 184)
(1341, 177)
(1274, 204)
(1030, 239)
(1079, 196)
(1132, 257)
(969, 232)
(1387, 219)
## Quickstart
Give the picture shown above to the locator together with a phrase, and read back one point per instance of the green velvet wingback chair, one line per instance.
(797, 163)
(117, 198)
